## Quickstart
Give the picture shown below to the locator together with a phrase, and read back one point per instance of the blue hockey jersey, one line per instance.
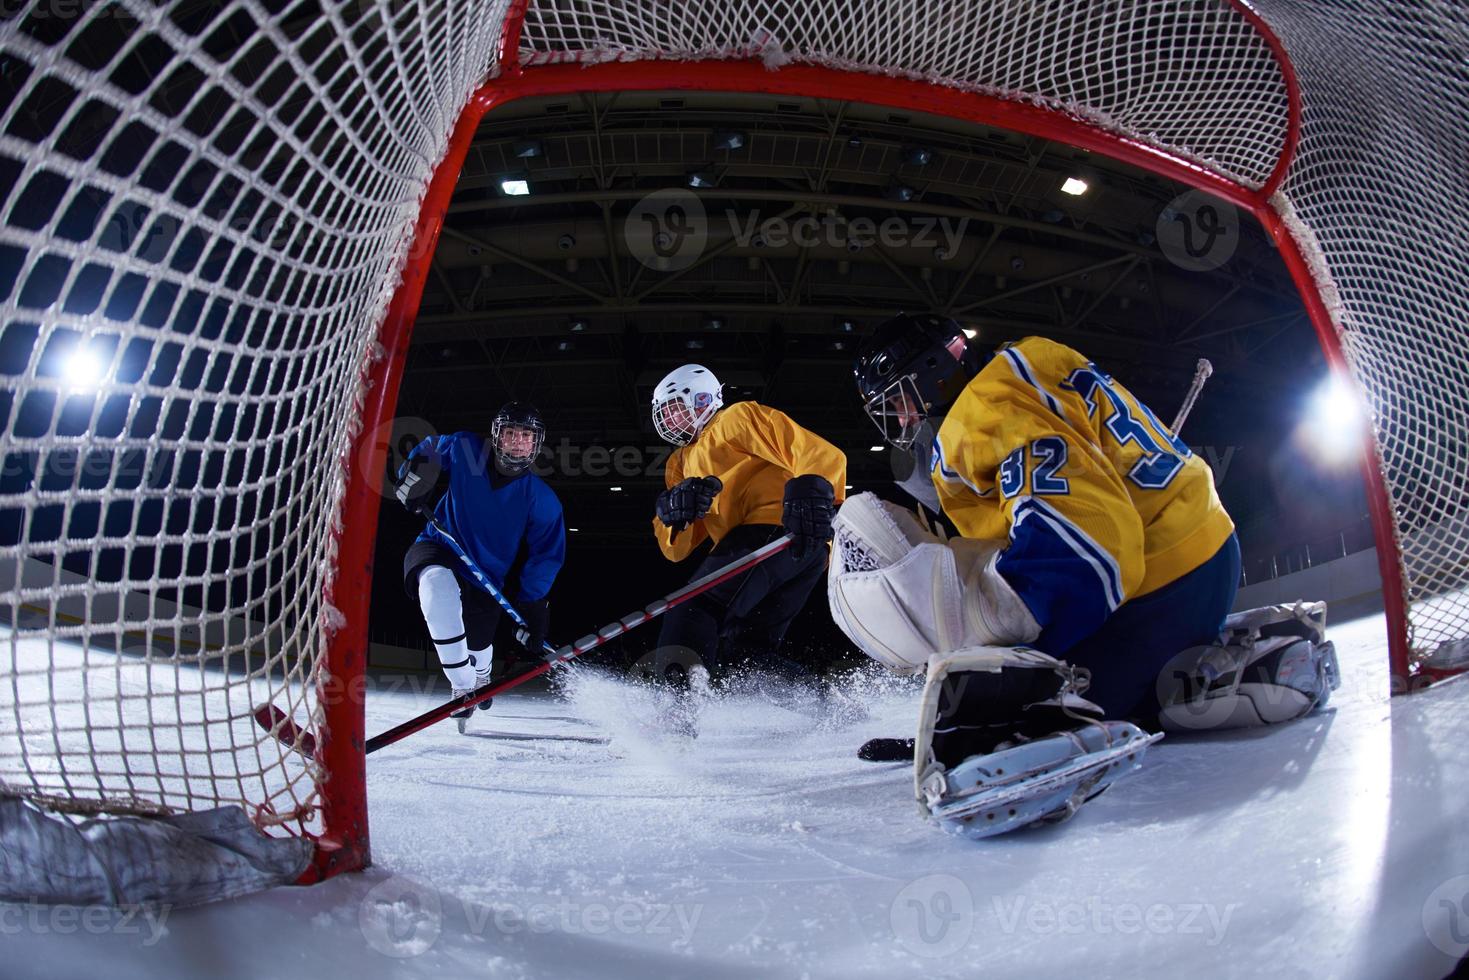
(492, 522)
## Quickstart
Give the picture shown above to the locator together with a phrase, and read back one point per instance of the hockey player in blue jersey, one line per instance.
(505, 517)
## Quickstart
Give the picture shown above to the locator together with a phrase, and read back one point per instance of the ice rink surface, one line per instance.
(1333, 846)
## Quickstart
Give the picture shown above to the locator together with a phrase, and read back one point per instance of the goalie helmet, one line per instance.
(912, 367)
(516, 434)
(684, 402)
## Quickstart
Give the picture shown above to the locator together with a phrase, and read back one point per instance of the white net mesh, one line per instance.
(207, 207)
(1381, 179)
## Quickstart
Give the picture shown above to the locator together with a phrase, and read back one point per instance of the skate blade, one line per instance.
(1055, 782)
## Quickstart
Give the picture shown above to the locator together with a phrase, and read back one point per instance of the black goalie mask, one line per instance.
(517, 434)
(912, 367)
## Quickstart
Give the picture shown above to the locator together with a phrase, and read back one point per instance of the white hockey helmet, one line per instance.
(684, 402)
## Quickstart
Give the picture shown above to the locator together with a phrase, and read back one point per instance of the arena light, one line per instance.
(874, 449)
(83, 367)
(515, 187)
(1074, 186)
(1334, 423)
(971, 333)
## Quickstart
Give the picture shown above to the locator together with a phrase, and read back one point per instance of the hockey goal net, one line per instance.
(217, 221)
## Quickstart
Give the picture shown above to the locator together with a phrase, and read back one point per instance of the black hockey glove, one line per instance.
(537, 616)
(684, 503)
(421, 482)
(807, 512)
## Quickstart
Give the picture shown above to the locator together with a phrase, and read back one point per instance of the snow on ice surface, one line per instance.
(766, 848)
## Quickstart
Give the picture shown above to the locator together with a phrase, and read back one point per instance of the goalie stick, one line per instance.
(1201, 374)
(285, 729)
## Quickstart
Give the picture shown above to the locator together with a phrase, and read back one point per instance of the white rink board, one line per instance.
(767, 849)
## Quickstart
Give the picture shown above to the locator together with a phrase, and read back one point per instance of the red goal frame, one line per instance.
(343, 844)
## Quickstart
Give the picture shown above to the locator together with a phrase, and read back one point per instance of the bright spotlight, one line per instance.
(1074, 186)
(515, 187)
(1334, 423)
(971, 333)
(83, 368)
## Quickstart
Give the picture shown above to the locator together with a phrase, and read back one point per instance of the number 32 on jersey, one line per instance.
(1160, 454)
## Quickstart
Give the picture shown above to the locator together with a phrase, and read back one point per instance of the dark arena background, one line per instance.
(817, 220)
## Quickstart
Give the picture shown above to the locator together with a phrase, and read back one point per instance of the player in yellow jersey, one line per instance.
(742, 476)
(1093, 550)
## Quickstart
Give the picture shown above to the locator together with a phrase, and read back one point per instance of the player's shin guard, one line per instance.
(443, 613)
(1006, 740)
(1269, 665)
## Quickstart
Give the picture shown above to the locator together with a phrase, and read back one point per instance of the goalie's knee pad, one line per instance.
(902, 593)
(1005, 740)
(1269, 665)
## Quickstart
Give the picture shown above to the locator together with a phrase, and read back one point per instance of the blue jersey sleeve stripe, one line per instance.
(1026, 373)
(1065, 589)
(1080, 542)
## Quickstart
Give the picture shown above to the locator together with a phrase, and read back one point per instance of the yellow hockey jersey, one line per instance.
(754, 450)
(1100, 502)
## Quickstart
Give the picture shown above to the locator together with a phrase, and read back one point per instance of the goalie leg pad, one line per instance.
(1005, 740)
(1269, 665)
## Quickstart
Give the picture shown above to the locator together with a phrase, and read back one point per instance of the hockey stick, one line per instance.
(481, 579)
(1201, 374)
(279, 724)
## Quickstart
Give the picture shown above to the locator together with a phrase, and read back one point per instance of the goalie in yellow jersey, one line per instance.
(1093, 551)
(742, 476)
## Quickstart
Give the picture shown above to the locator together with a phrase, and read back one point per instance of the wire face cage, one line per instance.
(219, 218)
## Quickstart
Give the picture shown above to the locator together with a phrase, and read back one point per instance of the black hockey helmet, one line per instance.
(517, 416)
(913, 366)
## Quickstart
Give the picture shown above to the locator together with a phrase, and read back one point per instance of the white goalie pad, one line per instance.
(901, 593)
(1269, 665)
(1013, 781)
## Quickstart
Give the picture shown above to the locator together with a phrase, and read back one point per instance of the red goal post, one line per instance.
(1299, 115)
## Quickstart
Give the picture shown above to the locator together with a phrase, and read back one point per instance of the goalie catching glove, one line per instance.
(901, 593)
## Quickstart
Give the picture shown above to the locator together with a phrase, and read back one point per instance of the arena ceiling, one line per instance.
(545, 295)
